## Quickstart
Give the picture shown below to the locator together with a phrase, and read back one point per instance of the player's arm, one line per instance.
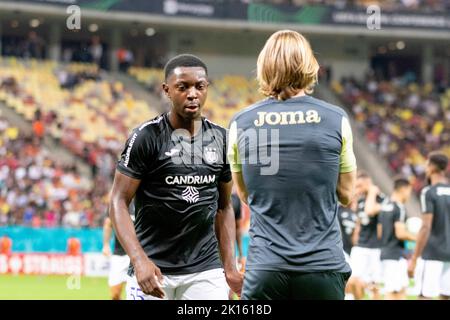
(107, 232)
(346, 187)
(421, 241)
(402, 233)
(239, 240)
(427, 205)
(372, 207)
(241, 189)
(225, 227)
(123, 190)
(379, 230)
(347, 166)
(236, 164)
(355, 235)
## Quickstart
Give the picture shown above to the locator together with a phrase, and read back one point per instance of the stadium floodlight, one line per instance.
(400, 45)
(150, 32)
(93, 27)
(34, 23)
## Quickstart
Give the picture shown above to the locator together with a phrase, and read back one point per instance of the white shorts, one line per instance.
(432, 278)
(348, 260)
(366, 264)
(206, 285)
(118, 268)
(395, 275)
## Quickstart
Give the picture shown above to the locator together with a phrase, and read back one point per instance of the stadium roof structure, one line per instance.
(237, 15)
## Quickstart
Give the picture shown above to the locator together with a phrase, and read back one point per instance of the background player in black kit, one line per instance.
(433, 239)
(393, 233)
(365, 255)
(174, 166)
(118, 259)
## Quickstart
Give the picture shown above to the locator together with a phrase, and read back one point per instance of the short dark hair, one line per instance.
(400, 182)
(439, 160)
(183, 60)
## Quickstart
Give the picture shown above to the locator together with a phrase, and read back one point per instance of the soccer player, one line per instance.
(433, 239)
(393, 234)
(347, 221)
(182, 243)
(119, 261)
(295, 249)
(365, 255)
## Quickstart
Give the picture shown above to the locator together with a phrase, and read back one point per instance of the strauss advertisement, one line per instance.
(90, 264)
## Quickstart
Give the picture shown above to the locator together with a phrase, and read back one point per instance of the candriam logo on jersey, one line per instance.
(191, 179)
(191, 193)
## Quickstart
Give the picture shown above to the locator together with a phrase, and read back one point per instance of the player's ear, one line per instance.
(165, 88)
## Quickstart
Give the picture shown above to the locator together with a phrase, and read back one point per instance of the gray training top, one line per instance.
(290, 154)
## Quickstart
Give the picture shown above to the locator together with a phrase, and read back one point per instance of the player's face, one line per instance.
(407, 192)
(428, 169)
(362, 186)
(187, 89)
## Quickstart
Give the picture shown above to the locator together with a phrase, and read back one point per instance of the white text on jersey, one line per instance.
(190, 179)
(286, 118)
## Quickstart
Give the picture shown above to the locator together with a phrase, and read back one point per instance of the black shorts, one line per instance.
(282, 285)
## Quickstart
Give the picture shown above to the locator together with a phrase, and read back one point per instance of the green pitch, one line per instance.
(27, 287)
(51, 287)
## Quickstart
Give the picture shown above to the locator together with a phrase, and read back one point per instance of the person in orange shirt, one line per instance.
(5, 245)
(73, 246)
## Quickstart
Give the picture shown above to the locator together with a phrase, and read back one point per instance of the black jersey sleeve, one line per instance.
(137, 155)
(397, 214)
(426, 199)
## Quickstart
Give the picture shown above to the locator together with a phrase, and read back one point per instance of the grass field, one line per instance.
(28, 287)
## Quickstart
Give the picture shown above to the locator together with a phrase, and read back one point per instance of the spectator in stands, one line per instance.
(96, 50)
(34, 46)
(402, 120)
(38, 125)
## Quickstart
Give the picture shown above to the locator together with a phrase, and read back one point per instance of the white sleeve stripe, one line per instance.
(423, 202)
(402, 213)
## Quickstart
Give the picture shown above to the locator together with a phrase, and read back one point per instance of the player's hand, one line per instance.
(374, 189)
(235, 279)
(241, 264)
(412, 267)
(149, 277)
(106, 251)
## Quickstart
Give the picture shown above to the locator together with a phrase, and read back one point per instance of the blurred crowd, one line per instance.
(403, 120)
(37, 190)
(80, 110)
